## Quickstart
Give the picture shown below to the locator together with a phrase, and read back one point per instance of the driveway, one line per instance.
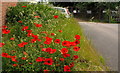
(104, 37)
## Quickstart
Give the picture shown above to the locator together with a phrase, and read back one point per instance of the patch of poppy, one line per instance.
(20, 21)
(48, 61)
(71, 64)
(56, 16)
(29, 34)
(28, 31)
(24, 6)
(57, 41)
(49, 50)
(62, 59)
(35, 36)
(66, 43)
(14, 65)
(24, 28)
(2, 44)
(39, 59)
(4, 54)
(67, 68)
(23, 58)
(22, 44)
(77, 37)
(37, 16)
(75, 57)
(14, 59)
(76, 48)
(52, 34)
(64, 50)
(12, 38)
(5, 31)
(60, 31)
(48, 40)
(33, 40)
(66, 55)
(77, 41)
(4, 27)
(38, 25)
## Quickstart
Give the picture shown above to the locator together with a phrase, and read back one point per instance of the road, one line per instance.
(104, 38)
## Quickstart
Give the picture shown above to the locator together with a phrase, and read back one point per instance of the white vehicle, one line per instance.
(63, 11)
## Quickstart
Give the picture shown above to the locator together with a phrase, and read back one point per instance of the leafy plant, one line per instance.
(33, 40)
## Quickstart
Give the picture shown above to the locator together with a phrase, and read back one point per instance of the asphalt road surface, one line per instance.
(104, 38)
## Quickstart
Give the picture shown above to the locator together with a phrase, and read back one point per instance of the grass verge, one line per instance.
(90, 60)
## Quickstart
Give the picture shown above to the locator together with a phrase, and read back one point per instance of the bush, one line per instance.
(33, 40)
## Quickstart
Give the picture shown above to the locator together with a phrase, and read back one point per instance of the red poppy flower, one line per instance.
(14, 59)
(64, 50)
(24, 6)
(66, 55)
(20, 21)
(23, 58)
(52, 51)
(76, 48)
(22, 44)
(37, 16)
(77, 37)
(38, 25)
(52, 34)
(73, 44)
(14, 65)
(49, 50)
(39, 40)
(46, 71)
(30, 63)
(60, 30)
(4, 27)
(33, 40)
(39, 59)
(4, 54)
(75, 57)
(66, 43)
(35, 36)
(44, 49)
(11, 56)
(29, 34)
(12, 38)
(28, 31)
(55, 16)
(57, 41)
(48, 61)
(67, 68)
(62, 59)
(77, 41)
(71, 64)
(48, 40)
(5, 31)
(24, 28)
(44, 32)
(2, 44)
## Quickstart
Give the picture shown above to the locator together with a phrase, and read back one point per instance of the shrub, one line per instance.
(33, 40)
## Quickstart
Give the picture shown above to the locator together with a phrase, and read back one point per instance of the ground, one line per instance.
(104, 37)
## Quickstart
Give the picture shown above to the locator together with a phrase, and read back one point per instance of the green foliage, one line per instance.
(45, 15)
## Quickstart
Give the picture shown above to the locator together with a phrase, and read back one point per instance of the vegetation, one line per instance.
(39, 38)
(96, 8)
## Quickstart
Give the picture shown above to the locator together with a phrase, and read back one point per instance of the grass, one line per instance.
(89, 58)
